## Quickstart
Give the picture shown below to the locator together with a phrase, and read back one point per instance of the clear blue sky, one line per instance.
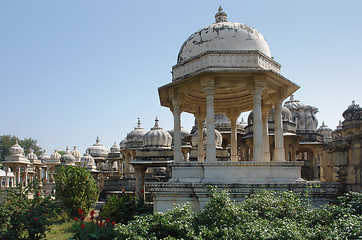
(74, 70)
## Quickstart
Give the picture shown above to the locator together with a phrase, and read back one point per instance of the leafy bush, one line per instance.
(75, 188)
(22, 217)
(122, 209)
(263, 215)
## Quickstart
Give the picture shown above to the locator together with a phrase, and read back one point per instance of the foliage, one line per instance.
(96, 229)
(7, 141)
(122, 209)
(75, 188)
(22, 217)
(263, 215)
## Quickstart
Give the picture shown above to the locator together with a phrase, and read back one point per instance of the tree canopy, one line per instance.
(7, 141)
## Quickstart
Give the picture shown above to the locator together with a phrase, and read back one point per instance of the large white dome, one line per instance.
(223, 36)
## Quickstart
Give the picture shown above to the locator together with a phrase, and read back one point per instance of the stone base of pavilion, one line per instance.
(190, 182)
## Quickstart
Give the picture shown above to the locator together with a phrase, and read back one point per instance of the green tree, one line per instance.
(75, 188)
(7, 141)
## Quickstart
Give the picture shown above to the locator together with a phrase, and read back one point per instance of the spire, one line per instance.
(138, 123)
(156, 124)
(67, 150)
(323, 125)
(220, 16)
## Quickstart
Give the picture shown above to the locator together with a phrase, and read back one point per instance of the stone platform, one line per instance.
(190, 182)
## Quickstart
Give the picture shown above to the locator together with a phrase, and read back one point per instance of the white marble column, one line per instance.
(18, 173)
(233, 140)
(266, 135)
(208, 87)
(258, 148)
(200, 138)
(6, 177)
(279, 154)
(177, 153)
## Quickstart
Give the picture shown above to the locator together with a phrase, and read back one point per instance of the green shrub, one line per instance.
(122, 209)
(263, 215)
(75, 188)
(22, 217)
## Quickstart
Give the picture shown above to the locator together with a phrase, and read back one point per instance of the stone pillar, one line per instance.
(315, 166)
(200, 138)
(26, 176)
(6, 177)
(208, 87)
(126, 165)
(279, 154)
(265, 135)
(18, 173)
(176, 110)
(143, 184)
(258, 148)
(294, 157)
(287, 155)
(233, 140)
(138, 179)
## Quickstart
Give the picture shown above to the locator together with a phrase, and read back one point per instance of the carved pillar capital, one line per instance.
(208, 85)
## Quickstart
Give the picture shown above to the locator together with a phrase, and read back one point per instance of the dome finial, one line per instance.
(97, 141)
(156, 123)
(291, 98)
(221, 16)
(138, 123)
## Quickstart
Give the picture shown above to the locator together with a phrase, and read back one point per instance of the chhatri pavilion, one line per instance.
(227, 68)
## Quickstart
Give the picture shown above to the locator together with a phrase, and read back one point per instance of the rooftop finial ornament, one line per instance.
(221, 16)
(138, 123)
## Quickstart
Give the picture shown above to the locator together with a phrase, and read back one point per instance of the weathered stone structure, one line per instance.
(342, 157)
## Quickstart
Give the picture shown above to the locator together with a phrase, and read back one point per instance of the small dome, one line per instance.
(32, 156)
(184, 133)
(76, 153)
(98, 150)
(286, 115)
(223, 36)
(218, 138)
(122, 144)
(55, 155)
(326, 132)
(353, 112)
(87, 161)
(44, 156)
(157, 137)
(115, 148)
(67, 158)
(134, 138)
(16, 149)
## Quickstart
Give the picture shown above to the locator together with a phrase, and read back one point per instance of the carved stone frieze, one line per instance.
(230, 60)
